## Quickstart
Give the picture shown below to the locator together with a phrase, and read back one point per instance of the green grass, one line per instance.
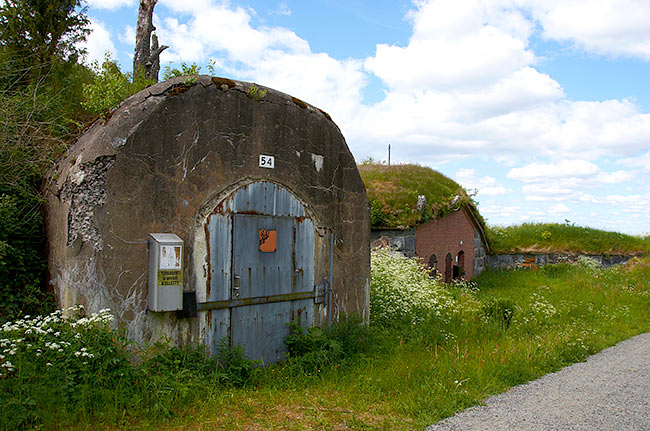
(393, 193)
(410, 373)
(415, 377)
(563, 238)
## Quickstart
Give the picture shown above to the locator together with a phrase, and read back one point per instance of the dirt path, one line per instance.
(610, 391)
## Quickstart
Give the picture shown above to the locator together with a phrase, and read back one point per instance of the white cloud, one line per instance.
(273, 56)
(282, 9)
(464, 85)
(499, 211)
(98, 42)
(464, 43)
(109, 4)
(128, 35)
(581, 172)
(535, 172)
(641, 161)
(558, 209)
(610, 27)
(485, 186)
(565, 180)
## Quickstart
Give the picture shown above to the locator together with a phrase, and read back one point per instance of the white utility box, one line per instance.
(165, 272)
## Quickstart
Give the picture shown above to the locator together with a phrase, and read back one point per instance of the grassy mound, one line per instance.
(393, 194)
(563, 238)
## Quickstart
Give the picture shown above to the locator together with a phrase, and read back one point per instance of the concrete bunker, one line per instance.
(260, 187)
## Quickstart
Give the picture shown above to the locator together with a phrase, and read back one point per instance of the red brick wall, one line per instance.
(444, 236)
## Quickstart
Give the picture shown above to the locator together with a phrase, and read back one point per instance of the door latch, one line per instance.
(235, 285)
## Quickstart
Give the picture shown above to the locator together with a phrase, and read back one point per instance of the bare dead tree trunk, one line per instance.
(146, 58)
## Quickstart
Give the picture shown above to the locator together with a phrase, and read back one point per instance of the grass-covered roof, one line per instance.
(564, 238)
(393, 194)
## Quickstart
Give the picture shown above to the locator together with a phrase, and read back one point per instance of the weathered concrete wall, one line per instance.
(162, 161)
(401, 241)
(508, 261)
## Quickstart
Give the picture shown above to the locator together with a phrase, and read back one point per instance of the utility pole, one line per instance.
(388, 154)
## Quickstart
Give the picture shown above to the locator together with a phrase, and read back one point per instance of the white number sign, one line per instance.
(267, 161)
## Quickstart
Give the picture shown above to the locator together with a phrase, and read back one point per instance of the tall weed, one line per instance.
(402, 291)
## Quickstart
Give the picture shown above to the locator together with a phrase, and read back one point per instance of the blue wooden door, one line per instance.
(269, 277)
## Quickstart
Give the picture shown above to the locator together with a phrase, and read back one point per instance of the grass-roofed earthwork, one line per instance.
(393, 194)
(563, 238)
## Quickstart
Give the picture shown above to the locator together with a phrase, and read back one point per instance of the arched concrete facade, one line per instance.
(163, 162)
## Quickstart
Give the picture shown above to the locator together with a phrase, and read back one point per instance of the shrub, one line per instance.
(172, 360)
(589, 263)
(110, 86)
(55, 369)
(311, 349)
(499, 311)
(238, 369)
(402, 291)
(185, 70)
(353, 335)
(557, 270)
(54, 365)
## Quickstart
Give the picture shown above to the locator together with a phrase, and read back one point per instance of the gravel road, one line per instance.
(610, 391)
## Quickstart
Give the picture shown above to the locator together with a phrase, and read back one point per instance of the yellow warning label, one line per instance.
(170, 277)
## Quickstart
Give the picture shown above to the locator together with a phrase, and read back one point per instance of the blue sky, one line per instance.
(542, 106)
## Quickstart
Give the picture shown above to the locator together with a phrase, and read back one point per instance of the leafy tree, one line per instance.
(41, 33)
(110, 86)
(40, 93)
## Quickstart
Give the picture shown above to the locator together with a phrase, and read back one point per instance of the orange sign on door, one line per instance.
(268, 240)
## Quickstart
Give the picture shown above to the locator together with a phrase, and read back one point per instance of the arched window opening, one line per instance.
(448, 268)
(459, 268)
(433, 265)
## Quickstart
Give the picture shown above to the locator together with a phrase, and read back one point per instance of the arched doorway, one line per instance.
(448, 274)
(433, 264)
(260, 246)
(459, 268)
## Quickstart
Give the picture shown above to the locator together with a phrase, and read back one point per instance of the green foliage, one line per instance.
(110, 86)
(185, 70)
(563, 238)
(238, 369)
(312, 349)
(41, 34)
(403, 292)
(557, 270)
(411, 374)
(380, 214)
(255, 93)
(34, 128)
(589, 263)
(22, 263)
(499, 311)
(393, 193)
(187, 363)
(53, 364)
(58, 369)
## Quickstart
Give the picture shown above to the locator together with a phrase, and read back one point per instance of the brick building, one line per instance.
(403, 196)
(454, 245)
